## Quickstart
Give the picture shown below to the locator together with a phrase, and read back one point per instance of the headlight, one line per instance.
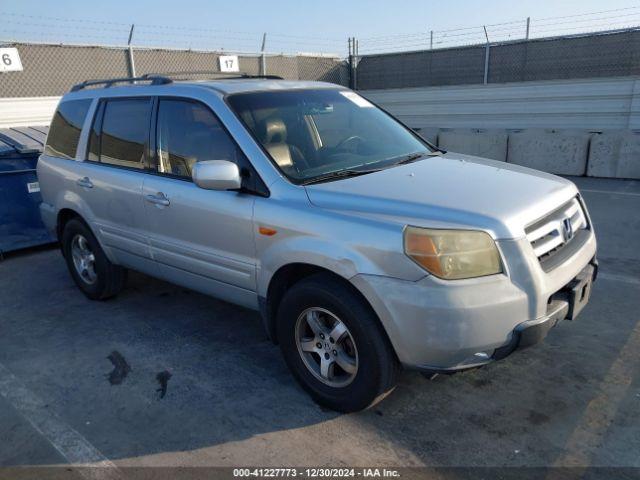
(452, 254)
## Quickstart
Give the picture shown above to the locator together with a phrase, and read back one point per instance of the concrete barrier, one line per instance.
(482, 143)
(615, 154)
(27, 111)
(430, 134)
(562, 152)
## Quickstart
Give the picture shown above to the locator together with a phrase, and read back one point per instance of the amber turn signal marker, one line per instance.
(422, 249)
(269, 232)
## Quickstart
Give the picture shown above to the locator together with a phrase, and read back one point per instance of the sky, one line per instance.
(308, 26)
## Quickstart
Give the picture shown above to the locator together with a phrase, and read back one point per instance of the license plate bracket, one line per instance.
(579, 292)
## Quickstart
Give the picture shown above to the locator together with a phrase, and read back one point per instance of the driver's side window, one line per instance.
(188, 132)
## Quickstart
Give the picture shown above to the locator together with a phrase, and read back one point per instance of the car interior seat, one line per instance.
(274, 138)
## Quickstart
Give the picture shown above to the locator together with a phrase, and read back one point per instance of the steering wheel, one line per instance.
(343, 143)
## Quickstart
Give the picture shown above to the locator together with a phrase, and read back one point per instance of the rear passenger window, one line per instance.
(188, 132)
(124, 133)
(64, 132)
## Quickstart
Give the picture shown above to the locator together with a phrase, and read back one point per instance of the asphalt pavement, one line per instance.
(162, 376)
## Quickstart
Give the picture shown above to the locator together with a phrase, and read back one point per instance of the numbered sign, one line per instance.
(229, 63)
(10, 60)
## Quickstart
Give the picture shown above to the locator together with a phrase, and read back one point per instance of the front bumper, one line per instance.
(441, 326)
(566, 304)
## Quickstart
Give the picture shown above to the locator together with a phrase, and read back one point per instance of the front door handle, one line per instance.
(158, 199)
(84, 182)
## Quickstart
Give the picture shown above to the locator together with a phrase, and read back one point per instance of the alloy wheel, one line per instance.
(326, 347)
(83, 259)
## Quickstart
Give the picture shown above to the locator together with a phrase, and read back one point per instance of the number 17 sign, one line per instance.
(229, 63)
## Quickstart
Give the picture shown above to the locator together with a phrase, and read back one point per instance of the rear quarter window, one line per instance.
(64, 132)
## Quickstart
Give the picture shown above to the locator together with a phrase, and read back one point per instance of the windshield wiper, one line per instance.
(412, 157)
(351, 172)
(339, 174)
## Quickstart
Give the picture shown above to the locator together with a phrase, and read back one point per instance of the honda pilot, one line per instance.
(364, 247)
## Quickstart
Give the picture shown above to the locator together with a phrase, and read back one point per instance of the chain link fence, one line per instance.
(605, 54)
(51, 70)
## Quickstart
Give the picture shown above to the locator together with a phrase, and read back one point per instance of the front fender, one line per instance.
(340, 242)
(316, 251)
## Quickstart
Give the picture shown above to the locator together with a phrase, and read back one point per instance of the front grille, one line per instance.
(556, 230)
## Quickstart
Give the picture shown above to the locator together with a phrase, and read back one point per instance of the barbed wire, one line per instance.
(25, 27)
(532, 28)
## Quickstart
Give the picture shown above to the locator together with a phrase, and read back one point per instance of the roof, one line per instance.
(222, 86)
(22, 140)
(242, 85)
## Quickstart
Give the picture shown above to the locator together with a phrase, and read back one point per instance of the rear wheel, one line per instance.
(90, 268)
(334, 344)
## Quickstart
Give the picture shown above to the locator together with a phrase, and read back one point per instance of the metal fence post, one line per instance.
(349, 41)
(487, 49)
(431, 41)
(132, 65)
(263, 57)
(355, 65)
(528, 25)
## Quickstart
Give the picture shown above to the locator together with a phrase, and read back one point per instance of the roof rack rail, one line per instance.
(267, 77)
(154, 79)
(226, 75)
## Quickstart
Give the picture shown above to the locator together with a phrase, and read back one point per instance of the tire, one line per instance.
(98, 279)
(364, 349)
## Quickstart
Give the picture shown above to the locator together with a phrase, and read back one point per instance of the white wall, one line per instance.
(592, 104)
(26, 112)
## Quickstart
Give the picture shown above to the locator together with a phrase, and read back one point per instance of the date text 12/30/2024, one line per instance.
(315, 472)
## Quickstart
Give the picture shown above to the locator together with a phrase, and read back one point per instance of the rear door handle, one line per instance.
(84, 182)
(158, 199)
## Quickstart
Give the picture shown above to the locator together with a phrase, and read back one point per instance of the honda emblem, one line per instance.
(567, 228)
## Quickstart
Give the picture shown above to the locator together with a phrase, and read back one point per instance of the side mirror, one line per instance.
(216, 175)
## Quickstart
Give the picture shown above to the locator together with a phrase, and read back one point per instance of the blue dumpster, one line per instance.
(20, 223)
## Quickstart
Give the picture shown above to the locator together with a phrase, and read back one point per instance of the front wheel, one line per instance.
(334, 344)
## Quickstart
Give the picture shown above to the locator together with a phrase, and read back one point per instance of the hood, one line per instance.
(450, 191)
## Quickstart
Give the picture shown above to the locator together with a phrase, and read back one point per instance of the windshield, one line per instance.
(314, 134)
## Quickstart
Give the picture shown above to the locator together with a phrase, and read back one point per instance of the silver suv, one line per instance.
(363, 247)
